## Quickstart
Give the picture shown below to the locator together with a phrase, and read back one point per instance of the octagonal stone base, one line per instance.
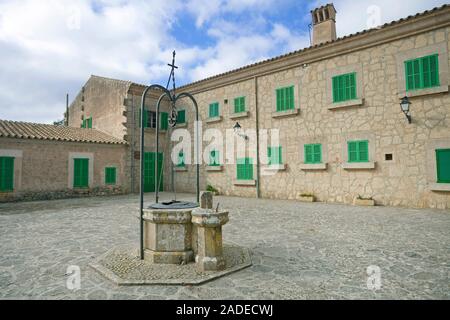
(123, 266)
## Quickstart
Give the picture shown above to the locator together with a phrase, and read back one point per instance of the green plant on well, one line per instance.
(210, 188)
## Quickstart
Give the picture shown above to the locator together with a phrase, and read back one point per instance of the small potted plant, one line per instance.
(213, 190)
(364, 201)
(306, 197)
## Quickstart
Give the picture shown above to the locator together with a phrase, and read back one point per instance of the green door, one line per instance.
(149, 171)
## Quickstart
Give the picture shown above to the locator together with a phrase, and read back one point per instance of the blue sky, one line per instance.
(51, 47)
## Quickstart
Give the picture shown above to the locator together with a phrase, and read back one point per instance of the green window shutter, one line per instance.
(6, 174)
(110, 176)
(358, 151)
(313, 153)
(422, 73)
(144, 119)
(443, 165)
(181, 117)
(352, 151)
(239, 104)
(344, 87)
(275, 155)
(214, 110)
(244, 169)
(317, 148)
(164, 120)
(81, 173)
(214, 158)
(285, 98)
(181, 160)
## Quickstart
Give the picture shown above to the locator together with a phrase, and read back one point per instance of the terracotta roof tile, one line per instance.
(26, 130)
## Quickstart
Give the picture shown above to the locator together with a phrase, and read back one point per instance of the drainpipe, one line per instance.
(258, 166)
(67, 110)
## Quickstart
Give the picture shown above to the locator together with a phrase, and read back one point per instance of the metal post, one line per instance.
(141, 180)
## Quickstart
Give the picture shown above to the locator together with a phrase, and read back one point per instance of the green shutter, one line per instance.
(164, 121)
(81, 173)
(110, 176)
(244, 169)
(358, 151)
(214, 110)
(214, 158)
(149, 171)
(239, 104)
(285, 98)
(89, 124)
(443, 165)
(313, 153)
(181, 117)
(344, 87)
(6, 174)
(422, 73)
(275, 155)
(181, 159)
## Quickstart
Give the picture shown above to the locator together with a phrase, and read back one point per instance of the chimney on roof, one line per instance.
(324, 24)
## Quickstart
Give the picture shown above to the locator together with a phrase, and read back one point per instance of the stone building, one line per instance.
(336, 105)
(40, 161)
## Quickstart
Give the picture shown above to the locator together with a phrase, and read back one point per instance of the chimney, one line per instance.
(324, 24)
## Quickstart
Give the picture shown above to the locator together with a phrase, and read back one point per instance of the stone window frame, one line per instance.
(431, 169)
(350, 68)
(316, 166)
(248, 183)
(297, 102)
(185, 124)
(442, 50)
(80, 155)
(369, 165)
(275, 167)
(18, 163)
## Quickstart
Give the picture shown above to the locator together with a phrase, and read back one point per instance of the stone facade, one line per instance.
(377, 57)
(43, 170)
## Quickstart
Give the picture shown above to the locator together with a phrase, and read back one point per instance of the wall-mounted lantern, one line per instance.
(405, 104)
(238, 131)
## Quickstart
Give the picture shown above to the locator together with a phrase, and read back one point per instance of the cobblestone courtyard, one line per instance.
(300, 251)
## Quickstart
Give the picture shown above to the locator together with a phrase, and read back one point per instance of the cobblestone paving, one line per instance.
(300, 251)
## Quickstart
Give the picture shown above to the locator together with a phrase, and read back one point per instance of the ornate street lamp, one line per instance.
(404, 104)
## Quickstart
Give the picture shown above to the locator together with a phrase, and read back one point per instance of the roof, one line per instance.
(26, 130)
(351, 36)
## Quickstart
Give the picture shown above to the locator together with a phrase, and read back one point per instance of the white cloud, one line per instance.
(50, 47)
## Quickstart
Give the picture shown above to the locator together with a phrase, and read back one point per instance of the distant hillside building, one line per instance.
(337, 105)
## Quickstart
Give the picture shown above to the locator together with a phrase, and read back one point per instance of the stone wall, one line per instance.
(407, 180)
(44, 169)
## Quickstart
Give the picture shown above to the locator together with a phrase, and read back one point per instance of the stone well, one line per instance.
(168, 236)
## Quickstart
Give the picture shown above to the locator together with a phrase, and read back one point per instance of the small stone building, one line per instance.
(40, 161)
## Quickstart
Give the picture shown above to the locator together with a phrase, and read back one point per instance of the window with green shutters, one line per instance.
(239, 105)
(110, 176)
(285, 98)
(275, 155)
(164, 120)
(214, 110)
(313, 153)
(181, 160)
(214, 159)
(81, 173)
(245, 169)
(149, 119)
(443, 165)
(358, 151)
(344, 87)
(181, 117)
(87, 123)
(422, 73)
(6, 174)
